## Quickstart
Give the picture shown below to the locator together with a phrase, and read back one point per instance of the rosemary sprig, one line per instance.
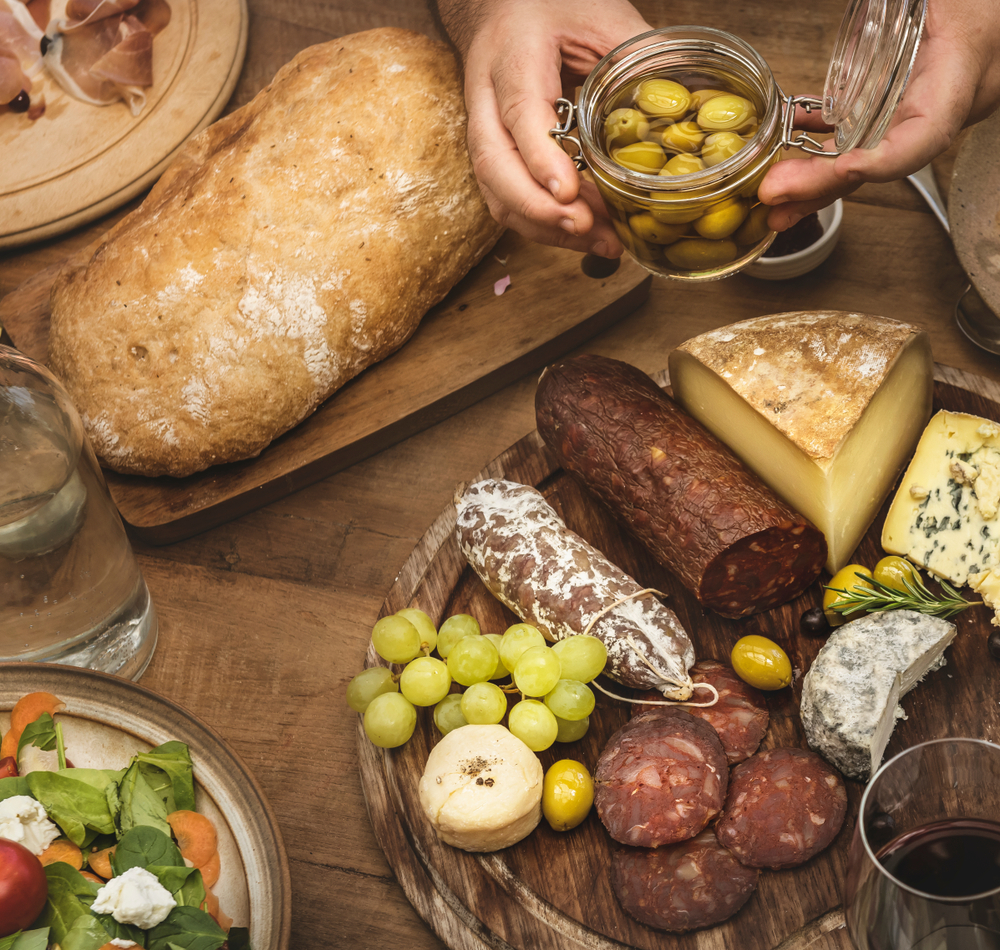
(917, 597)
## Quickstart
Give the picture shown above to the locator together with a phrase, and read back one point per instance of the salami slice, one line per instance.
(551, 578)
(661, 778)
(678, 489)
(740, 716)
(783, 807)
(681, 887)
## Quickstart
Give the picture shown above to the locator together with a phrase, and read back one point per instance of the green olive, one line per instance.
(646, 227)
(682, 137)
(761, 663)
(637, 247)
(719, 146)
(754, 229)
(683, 164)
(851, 576)
(722, 219)
(663, 97)
(700, 254)
(726, 113)
(894, 572)
(645, 157)
(671, 209)
(749, 130)
(623, 127)
(700, 96)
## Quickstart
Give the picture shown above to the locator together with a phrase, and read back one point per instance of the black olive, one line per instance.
(20, 102)
(813, 623)
(994, 644)
(45, 44)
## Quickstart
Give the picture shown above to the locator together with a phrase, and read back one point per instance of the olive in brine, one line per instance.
(700, 96)
(624, 127)
(663, 97)
(682, 137)
(673, 211)
(645, 157)
(646, 227)
(722, 219)
(754, 229)
(726, 113)
(700, 254)
(683, 164)
(719, 146)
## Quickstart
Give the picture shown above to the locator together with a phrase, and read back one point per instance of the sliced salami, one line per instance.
(661, 778)
(681, 887)
(740, 716)
(783, 807)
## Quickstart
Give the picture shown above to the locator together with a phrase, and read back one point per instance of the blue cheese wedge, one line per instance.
(944, 515)
(850, 696)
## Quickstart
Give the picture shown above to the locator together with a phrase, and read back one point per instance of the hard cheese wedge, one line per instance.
(825, 406)
(944, 516)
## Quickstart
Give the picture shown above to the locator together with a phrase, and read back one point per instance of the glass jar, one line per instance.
(708, 223)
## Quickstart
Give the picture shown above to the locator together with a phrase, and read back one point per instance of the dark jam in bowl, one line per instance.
(797, 238)
(959, 857)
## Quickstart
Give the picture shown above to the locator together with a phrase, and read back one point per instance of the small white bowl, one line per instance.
(801, 262)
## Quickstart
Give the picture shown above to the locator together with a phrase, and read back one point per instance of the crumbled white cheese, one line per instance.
(135, 897)
(24, 820)
(121, 942)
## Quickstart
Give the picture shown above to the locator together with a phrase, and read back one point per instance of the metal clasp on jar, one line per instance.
(566, 116)
(801, 140)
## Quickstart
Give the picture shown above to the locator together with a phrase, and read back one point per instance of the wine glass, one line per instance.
(924, 867)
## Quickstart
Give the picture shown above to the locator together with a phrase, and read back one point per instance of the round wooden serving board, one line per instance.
(553, 890)
(79, 161)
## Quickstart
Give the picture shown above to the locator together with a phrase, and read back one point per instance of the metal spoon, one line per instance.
(972, 314)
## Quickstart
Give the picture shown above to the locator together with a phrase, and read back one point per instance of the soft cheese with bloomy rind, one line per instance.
(825, 406)
(944, 515)
(289, 246)
(482, 788)
(850, 696)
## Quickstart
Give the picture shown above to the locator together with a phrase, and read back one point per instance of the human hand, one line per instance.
(518, 55)
(955, 83)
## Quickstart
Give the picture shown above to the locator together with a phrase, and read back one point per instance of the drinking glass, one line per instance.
(924, 869)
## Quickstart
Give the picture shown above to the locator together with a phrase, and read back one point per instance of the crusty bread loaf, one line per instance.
(289, 246)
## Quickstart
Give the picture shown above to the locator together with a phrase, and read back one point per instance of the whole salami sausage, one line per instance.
(682, 493)
(681, 887)
(551, 578)
(783, 807)
(660, 779)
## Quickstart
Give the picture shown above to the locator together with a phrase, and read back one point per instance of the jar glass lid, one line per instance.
(875, 50)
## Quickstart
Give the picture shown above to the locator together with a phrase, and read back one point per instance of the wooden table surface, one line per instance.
(264, 620)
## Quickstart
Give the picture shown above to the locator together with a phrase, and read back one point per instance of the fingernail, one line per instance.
(568, 224)
(553, 186)
(600, 249)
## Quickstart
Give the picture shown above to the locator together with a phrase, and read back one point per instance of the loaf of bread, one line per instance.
(289, 246)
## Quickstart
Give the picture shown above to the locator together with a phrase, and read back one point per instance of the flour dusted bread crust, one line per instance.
(289, 246)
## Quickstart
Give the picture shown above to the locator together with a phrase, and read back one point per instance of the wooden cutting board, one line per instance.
(79, 162)
(471, 344)
(552, 891)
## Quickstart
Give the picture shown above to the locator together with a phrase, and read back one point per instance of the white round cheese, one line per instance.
(482, 788)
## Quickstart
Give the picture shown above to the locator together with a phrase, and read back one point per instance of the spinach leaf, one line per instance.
(74, 806)
(86, 933)
(40, 733)
(98, 779)
(239, 938)
(185, 884)
(70, 897)
(122, 931)
(186, 928)
(9, 787)
(26, 940)
(173, 758)
(160, 785)
(140, 805)
(143, 847)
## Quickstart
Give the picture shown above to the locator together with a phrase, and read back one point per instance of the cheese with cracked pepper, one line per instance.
(850, 696)
(944, 515)
(825, 406)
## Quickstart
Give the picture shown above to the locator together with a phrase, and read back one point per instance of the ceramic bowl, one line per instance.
(801, 262)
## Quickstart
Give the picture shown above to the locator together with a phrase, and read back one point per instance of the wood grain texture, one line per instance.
(553, 890)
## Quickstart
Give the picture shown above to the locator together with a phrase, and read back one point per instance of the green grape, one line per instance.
(570, 731)
(534, 724)
(425, 681)
(567, 700)
(517, 639)
(501, 671)
(484, 703)
(454, 629)
(537, 671)
(390, 720)
(367, 685)
(582, 657)
(472, 660)
(396, 639)
(425, 627)
(448, 713)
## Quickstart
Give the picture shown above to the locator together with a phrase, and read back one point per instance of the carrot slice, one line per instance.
(64, 851)
(26, 710)
(211, 906)
(196, 836)
(100, 862)
(93, 877)
(210, 870)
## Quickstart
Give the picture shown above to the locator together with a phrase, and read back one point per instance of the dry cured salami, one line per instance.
(783, 807)
(677, 488)
(739, 716)
(661, 778)
(551, 578)
(681, 887)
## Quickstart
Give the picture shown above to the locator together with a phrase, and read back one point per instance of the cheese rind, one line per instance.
(850, 696)
(824, 406)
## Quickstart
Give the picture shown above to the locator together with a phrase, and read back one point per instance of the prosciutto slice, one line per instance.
(20, 53)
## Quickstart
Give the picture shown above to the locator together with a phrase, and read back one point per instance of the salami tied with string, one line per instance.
(553, 579)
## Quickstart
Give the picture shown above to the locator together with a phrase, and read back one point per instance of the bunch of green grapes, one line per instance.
(555, 700)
